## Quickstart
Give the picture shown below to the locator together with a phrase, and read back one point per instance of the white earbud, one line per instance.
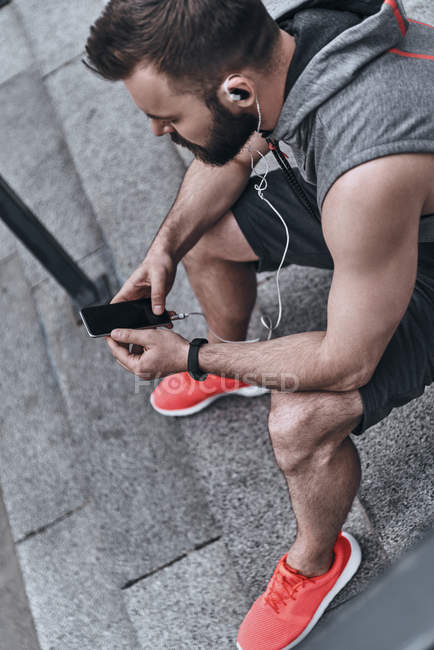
(226, 86)
(233, 96)
(236, 97)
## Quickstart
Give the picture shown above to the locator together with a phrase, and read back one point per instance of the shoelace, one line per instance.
(284, 584)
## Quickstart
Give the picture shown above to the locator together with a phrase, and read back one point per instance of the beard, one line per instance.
(228, 135)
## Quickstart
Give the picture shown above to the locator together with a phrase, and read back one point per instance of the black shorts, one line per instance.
(407, 365)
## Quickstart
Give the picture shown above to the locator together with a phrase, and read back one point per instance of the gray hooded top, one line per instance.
(363, 88)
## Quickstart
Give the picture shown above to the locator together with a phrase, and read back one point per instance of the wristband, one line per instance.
(193, 360)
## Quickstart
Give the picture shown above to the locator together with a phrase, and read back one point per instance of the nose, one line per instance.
(160, 128)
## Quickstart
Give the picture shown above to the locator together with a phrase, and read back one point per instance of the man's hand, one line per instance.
(162, 352)
(153, 279)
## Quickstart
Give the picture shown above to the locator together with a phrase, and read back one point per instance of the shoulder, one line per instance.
(377, 205)
(403, 176)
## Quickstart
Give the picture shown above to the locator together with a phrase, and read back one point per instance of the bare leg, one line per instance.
(309, 433)
(222, 274)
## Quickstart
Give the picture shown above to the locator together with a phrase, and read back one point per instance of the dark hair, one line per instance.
(189, 40)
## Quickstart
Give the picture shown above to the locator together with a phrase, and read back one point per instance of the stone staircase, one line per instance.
(134, 531)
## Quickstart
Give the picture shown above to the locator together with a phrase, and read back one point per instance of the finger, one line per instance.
(109, 340)
(138, 337)
(124, 345)
(124, 293)
(115, 348)
(158, 292)
(119, 297)
(121, 354)
(131, 292)
(122, 365)
(135, 287)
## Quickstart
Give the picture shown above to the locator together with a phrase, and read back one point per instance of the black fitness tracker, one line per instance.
(193, 360)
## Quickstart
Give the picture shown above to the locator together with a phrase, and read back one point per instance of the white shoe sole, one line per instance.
(247, 391)
(346, 575)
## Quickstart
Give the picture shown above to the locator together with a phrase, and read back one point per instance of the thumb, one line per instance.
(158, 292)
(138, 337)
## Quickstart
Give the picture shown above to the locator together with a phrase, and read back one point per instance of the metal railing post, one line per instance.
(41, 243)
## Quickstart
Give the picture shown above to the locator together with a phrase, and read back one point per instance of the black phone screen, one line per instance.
(137, 314)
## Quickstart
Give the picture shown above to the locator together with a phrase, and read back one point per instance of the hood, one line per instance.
(378, 27)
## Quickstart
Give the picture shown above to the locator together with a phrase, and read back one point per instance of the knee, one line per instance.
(291, 433)
(210, 247)
(306, 428)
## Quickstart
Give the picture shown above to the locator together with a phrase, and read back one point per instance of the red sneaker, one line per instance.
(292, 604)
(179, 394)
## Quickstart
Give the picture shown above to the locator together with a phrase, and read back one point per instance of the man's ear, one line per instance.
(237, 90)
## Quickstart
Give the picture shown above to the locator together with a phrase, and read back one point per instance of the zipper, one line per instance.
(292, 179)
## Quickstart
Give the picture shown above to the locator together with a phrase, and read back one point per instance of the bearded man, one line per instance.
(349, 87)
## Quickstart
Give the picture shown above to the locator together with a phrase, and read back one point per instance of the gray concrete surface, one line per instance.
(197, 585)
(132, 530)
(35, 161)
(130, 176)
(58, 32)
(16, 623)
(37, 452)
(7, 242)
(138, 467)
(69, 581)
(14, 40)
(398, 485)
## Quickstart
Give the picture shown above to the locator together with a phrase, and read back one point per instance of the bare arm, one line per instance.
(370, 222)
(206, 195)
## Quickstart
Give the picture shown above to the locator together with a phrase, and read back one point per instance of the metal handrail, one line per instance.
(41, 243)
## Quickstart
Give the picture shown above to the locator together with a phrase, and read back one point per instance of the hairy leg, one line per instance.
(222, 274)
(309, 433)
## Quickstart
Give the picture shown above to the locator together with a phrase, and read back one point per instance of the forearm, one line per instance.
(206, 195)
(300, 362)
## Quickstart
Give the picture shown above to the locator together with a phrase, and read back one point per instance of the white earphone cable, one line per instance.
(260, 188)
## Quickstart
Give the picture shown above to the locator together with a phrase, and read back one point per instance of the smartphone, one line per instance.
(138, 314)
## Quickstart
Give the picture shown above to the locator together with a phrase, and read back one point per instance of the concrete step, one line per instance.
(149, 499)
(16, 622)
(37, 450)
(14, 40)
(35, 161)
(195, 604)
(123, 518)
(59, 32)
(130, 177)
(68, 576)
(54, 521)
